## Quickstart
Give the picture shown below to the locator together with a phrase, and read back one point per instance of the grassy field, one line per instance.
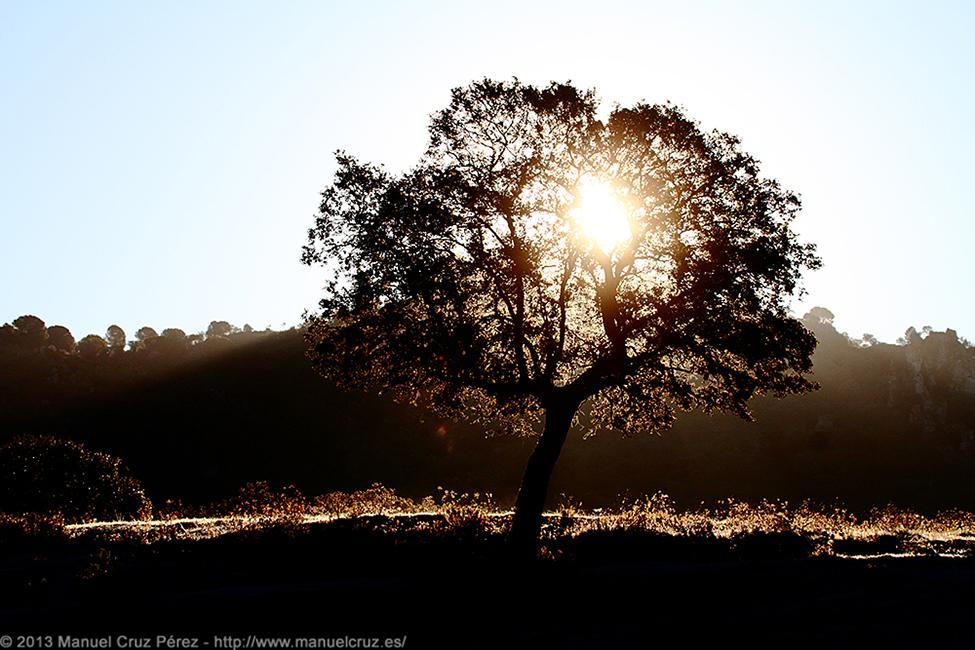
(437, 572)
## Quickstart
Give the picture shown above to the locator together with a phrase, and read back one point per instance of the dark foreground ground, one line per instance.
(457, 589)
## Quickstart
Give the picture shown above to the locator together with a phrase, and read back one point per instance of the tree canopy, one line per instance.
(115, 336)
(466, 281)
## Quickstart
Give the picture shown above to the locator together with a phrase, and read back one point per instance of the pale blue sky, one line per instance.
(160, 163)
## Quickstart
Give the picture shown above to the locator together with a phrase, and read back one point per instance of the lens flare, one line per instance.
(600, 215)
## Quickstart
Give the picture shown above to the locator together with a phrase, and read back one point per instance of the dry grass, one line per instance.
(887, 531)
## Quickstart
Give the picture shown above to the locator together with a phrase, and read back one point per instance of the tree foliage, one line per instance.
(146, 333)
(115, 337)
(32, 331)
(464, 283)
(59, 337)
(219, 329)
(92, 346)
(47, 475)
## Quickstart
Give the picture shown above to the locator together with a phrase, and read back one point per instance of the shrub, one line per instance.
(258, 500)
(51, 476)
(375, 500)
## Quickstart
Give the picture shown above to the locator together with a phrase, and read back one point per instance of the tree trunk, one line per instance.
(527, 521)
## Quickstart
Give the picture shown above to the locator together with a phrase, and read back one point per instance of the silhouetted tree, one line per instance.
(820, 315)
(819, 321)
(219, 328)
(911, 337)
(115, 336)
(869, 340)
(174, 333)
(143, 334)
(33, 332)
(473, 285)
(172, 341)
(92, 346)
(9, 337)
(60, 338)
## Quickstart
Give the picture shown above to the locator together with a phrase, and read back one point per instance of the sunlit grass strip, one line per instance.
(883, 532)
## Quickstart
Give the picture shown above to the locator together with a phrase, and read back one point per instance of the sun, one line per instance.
(600, 215)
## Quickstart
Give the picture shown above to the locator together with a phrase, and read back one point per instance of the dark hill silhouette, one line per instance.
(195, 418)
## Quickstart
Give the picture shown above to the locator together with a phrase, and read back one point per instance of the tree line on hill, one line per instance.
(46, 368)
(196, 416)
(29, 334)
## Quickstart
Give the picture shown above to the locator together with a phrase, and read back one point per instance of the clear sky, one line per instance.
(160, 163)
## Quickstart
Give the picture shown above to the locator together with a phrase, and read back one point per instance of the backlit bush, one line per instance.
(54, 477)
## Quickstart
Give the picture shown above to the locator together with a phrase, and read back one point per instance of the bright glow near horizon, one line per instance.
(601, 215)
(161, 162)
